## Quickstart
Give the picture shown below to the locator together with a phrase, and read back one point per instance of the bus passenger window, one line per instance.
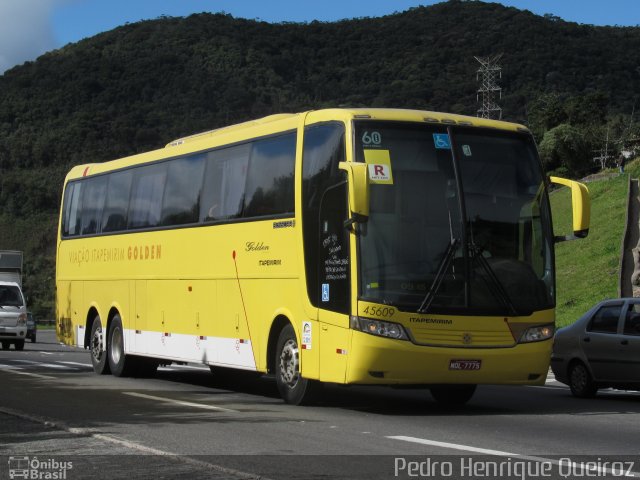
(224, 183)
(72, 210)
(114, 215)
(146, 199)
(182, 193)
(270, 179)
(92, 203)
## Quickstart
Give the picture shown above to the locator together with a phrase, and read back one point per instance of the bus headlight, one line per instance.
(537, 334)
(380, 328)
(22, 319)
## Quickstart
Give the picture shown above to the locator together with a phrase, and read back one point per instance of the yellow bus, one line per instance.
(352, 246)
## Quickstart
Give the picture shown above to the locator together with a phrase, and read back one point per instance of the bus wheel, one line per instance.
(293, 388)
(98, 347)
(580, 381)
(6, 345)
(452, 395)
(19, 345)
(119, 363)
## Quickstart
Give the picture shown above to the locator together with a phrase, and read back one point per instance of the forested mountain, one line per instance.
(139, 86)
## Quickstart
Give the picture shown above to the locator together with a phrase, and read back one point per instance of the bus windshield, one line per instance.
(459, 219)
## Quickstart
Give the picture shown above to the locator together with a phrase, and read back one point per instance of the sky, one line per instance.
(29, 28)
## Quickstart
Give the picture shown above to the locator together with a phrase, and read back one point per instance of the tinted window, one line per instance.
(114, 216)
(182, 193)
(323, 150)
(605, 320)
(10, 296)
(72, 209)
(270, 179)
(92, 203)
(224, 183)
(146, 197)
(632, 320)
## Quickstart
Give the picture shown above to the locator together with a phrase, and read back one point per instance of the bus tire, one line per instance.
(452, 395)
(98, 347)
(119, 363)
(580, 381)
(19, 345)
(293, 388)
(6, 345)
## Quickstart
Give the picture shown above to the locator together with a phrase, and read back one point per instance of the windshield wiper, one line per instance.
(442, 269)
(495, 287)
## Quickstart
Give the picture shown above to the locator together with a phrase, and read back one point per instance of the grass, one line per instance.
(588, 269)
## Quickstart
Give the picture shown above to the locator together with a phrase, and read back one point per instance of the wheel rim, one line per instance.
(96, 345)
(289, 363)
(116, 345)
(579, 378)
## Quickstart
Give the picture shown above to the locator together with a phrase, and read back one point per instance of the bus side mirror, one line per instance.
(358, 180)
(581, 208)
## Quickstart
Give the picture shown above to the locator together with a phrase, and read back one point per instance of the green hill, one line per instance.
(140, 85)
(588, 269)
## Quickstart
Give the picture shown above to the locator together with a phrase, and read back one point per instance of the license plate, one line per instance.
(465, 364)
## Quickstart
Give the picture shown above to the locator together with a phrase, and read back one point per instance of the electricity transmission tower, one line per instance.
(490, 71)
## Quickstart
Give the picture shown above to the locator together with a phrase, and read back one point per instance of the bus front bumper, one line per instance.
(380, 361)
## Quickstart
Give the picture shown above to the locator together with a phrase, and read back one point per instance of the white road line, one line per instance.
(180, 402)
(45, 365)
(77, 364)
(9, 367)
(18, 371)
(467, 448)
(453, 446)
(133, 445)
(56, 367)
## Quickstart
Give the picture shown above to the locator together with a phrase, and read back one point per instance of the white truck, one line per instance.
(13, 308)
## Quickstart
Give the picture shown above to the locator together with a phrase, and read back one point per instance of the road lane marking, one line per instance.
(133, 445)
(78, 364)
(453, 446)
(18, 371)
(180, 402)
(500, 453)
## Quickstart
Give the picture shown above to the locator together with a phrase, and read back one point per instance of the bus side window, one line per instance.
(224, 183)
(72, 210)
(270, 178)
(92, 203)
(146, 198)
(114, 215)
(182, 192)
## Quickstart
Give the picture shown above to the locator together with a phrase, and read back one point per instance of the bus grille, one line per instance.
(461, 338)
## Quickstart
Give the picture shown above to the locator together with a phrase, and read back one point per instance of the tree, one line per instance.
(564, 149)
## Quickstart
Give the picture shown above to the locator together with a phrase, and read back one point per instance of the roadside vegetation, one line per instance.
(588, 269)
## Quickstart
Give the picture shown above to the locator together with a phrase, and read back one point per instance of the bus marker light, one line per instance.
(341, 351)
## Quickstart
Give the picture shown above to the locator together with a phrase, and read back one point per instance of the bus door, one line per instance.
(334, 284)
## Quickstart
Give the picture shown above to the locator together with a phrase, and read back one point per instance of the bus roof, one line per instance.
(284, 122)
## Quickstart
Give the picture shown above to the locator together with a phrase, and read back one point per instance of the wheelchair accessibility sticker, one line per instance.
(441, 141)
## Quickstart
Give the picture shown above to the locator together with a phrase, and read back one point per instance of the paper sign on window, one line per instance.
(379, 164)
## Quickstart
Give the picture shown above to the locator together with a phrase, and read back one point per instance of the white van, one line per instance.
(13, 316)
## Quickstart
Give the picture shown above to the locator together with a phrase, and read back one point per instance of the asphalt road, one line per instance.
(187, 423)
